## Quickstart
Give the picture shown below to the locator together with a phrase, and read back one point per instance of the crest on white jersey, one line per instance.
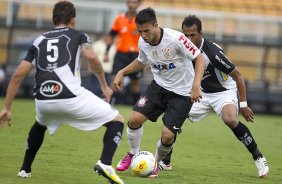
(166, 53)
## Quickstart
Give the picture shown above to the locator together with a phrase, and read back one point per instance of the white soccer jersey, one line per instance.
(170, 60)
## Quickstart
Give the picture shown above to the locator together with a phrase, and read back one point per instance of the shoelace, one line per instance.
(127, 158)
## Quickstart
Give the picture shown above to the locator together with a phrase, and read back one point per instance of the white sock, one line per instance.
(162, 151)
(134, 138)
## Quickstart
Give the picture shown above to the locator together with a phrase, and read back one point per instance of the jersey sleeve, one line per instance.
(189, 49)
(85, 39)
(142, 58)
(219, 60)
(115, 26)
(30, 56)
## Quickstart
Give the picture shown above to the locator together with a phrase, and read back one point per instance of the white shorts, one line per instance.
(85, 112)
(212, 101)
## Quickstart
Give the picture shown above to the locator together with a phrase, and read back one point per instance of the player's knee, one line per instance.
(136, 120)
(134, 123)
(167, 137)
(230, 121)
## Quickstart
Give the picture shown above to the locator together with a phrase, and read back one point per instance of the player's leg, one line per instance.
(88, 112)
(198, 112)
(34, 142)
(111, 140)
(144, 109)
(177, 109)
(164, 146)
(243, 134)
(165, 164)
(134, 134)
(229, 115)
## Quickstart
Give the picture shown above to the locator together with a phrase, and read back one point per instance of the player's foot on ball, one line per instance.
(165, 167)
(125, 162)
(108, 172)
(262, 167)
(155, 172)
(23, 174)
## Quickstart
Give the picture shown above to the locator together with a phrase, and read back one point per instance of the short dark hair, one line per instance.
(191, 20)
(147, 15)
(63, 12)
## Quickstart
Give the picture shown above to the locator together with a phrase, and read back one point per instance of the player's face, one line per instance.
(132, 5)
(193, 34)
(149, 32)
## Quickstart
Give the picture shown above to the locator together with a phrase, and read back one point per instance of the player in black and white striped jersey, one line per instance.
(59, 96)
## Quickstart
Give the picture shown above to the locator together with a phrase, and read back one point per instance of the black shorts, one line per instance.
(121, 60)
(156, 100)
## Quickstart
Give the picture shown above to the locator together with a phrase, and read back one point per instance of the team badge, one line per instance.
(166, 53)
(142, 101)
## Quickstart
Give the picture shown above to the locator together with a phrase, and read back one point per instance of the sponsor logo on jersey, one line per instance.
(164, 67)
(188, 44)
(222, 62)
(51, 88)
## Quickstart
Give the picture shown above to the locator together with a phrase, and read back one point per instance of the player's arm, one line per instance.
(240, 82)
(221, 62)
(96, 67)
(199, 72)
(23, 69)
(133, 67)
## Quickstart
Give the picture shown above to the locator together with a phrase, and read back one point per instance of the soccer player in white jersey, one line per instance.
(221, 84)
(59, 96)
(174, 88)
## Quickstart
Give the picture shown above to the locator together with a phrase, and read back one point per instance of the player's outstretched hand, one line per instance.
(5, 116)
(247, 113)
(118, 82)
(107, 92)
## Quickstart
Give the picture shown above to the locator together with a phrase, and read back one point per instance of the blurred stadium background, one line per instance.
(250, 32)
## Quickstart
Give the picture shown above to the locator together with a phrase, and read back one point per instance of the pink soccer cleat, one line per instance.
(125, 162)
(155, 172)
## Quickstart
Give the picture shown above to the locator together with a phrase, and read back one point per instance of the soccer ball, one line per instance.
(143, 163)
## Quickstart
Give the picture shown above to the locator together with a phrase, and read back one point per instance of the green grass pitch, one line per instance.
(205, 152)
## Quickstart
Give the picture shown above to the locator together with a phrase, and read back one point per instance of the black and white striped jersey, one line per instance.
(216, 77)
(56, 57)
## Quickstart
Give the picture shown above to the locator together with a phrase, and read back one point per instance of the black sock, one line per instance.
(167, 158)
(112, 138)
(244, 135)
(34, 141)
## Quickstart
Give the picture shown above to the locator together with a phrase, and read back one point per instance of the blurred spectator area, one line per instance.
(261, 7)
(250, 33)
